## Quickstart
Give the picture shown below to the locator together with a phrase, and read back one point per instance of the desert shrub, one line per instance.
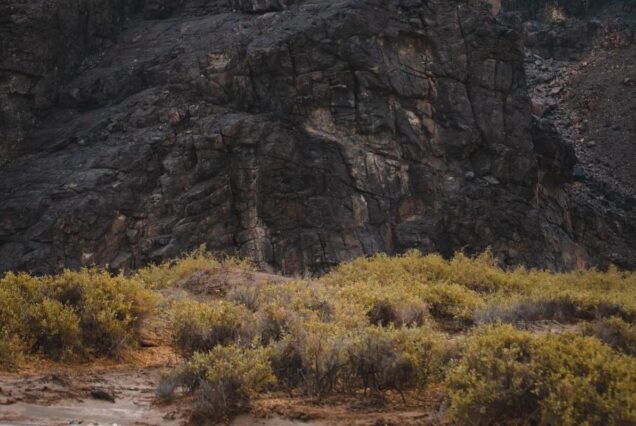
(222, 380)
(86, 312)
(246, 294)
(452, 302)
(274, 322)
(394, 359)
(560, 309)
(322, 348)
(55, 327)
(13, 304)
(199, 327)
(109, 307)
(615, 332)
(287, 362)
(481, 273)
(166, 274)
(562, 306)
(412, 268)
(507, 374)
(385, 313)
(323, 358)
(11, 348)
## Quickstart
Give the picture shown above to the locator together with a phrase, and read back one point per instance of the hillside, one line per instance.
(301, 134)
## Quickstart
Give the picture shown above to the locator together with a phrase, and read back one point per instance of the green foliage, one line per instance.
(394, 359)
(452, 302)
(372, 325)
(507, 374)
(168, 273)
(199, 327)
(615, 332)
(326, 358)
(223, 380)
(10, 350)
(75, 313)
(56, 327)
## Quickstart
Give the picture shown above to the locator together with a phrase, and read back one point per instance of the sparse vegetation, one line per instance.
(378, 326)
(200, 327)
(222, 379)
(168, 273)
(615, 332)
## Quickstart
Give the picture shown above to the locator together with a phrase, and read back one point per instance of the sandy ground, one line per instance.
(49, 394)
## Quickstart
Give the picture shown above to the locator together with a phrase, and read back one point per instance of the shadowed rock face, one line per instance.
(297, 133)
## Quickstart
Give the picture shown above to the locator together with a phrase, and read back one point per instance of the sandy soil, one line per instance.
(49, 394)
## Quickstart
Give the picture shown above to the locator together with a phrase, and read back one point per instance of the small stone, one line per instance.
(469, 175)
(102, 395)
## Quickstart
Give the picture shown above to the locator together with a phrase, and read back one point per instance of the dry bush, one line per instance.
(615, 332)
(506, 375)
(564, 306)
(222, 380)
(384, 359)
(76, 313)
(452, 302)
(168, 273)
(199, 327)
(246, 294)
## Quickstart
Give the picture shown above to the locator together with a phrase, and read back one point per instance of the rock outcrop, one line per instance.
(297, 133)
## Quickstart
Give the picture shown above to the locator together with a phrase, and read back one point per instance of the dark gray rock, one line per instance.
(300, 134)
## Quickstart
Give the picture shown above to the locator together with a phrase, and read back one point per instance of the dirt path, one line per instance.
(59, 394)
(70, 396)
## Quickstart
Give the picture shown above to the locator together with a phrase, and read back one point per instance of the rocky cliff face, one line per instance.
(297, 133)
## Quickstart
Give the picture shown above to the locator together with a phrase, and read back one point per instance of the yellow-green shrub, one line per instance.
(199, 327)
(168, 273)
(322, 349)
(109, 307)
(393, 358)
(615, 332)
(11, 348)
(507, 374)
(77, 312)
(223, 379)
(55, 327)
(274, 322)
(480, 273)
(568, 305)
(452, 302)
(324, 358)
